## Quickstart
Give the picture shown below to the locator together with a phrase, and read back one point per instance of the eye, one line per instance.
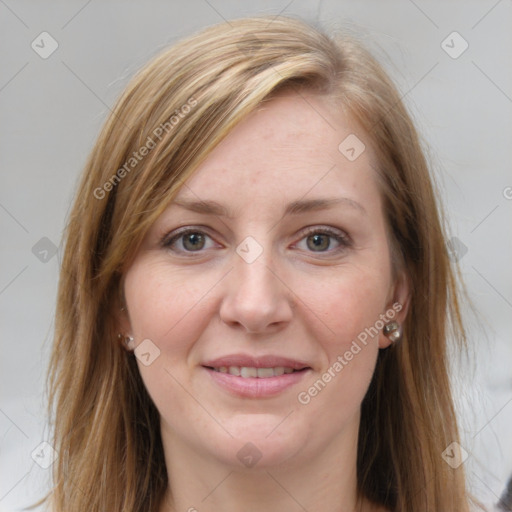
(188, 240)
(324, 240)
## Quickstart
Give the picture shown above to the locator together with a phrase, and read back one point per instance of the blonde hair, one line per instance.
(179, 107)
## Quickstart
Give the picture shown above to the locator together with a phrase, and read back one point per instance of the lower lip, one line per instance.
(254, 387)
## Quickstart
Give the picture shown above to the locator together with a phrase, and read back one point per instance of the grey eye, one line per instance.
(319, 242)
(193, 241)
(190, 240)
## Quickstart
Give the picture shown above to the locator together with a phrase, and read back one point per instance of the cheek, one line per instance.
(345, 320)
(168, 309)
(165, 306)
(346, 304)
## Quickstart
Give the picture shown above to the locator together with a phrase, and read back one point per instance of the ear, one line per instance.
(397, 305)
(122, 319)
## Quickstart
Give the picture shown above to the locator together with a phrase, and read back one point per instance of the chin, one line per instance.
(260, 441)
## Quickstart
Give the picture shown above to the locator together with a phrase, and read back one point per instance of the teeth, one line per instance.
(248, 372)
(265, 372)
(261, 373)
(234, 370)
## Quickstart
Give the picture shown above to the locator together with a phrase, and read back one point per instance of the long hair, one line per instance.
(167, 121)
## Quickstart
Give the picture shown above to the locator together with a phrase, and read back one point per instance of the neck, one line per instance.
(199, 482)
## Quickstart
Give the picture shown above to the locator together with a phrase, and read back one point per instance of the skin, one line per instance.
(297, 300)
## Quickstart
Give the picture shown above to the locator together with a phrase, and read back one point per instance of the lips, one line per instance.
(245, 361)
(255, 377)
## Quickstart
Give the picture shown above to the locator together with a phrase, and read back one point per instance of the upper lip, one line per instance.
(266, 361)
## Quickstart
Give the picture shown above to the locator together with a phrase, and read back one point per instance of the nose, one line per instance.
(256, 298)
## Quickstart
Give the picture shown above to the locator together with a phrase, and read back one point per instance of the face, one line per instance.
(273, 263)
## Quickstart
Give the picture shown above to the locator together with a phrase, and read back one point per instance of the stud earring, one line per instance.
(393, 330)
(126, 340)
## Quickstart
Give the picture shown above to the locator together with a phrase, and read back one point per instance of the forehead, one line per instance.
(289, 147)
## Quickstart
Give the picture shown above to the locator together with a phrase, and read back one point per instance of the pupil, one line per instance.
(194, 241)
(319, 241)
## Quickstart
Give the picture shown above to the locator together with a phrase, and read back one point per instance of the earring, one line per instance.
(127, 340)
(393, 330)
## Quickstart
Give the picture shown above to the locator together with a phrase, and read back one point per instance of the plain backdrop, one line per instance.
(52, 109)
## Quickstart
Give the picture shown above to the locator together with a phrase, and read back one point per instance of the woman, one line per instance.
(255, 292)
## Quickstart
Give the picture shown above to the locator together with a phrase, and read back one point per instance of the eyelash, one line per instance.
(341, 238)
(169, 240)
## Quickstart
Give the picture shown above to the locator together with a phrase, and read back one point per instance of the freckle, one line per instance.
(254, 179)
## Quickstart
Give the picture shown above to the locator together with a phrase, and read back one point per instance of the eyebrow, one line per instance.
(311, 205)
(293, 208)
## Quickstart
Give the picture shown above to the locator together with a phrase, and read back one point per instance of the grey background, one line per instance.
(52, 110)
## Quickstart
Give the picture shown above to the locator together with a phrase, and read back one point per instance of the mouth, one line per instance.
(252, 372)
(255, 377)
